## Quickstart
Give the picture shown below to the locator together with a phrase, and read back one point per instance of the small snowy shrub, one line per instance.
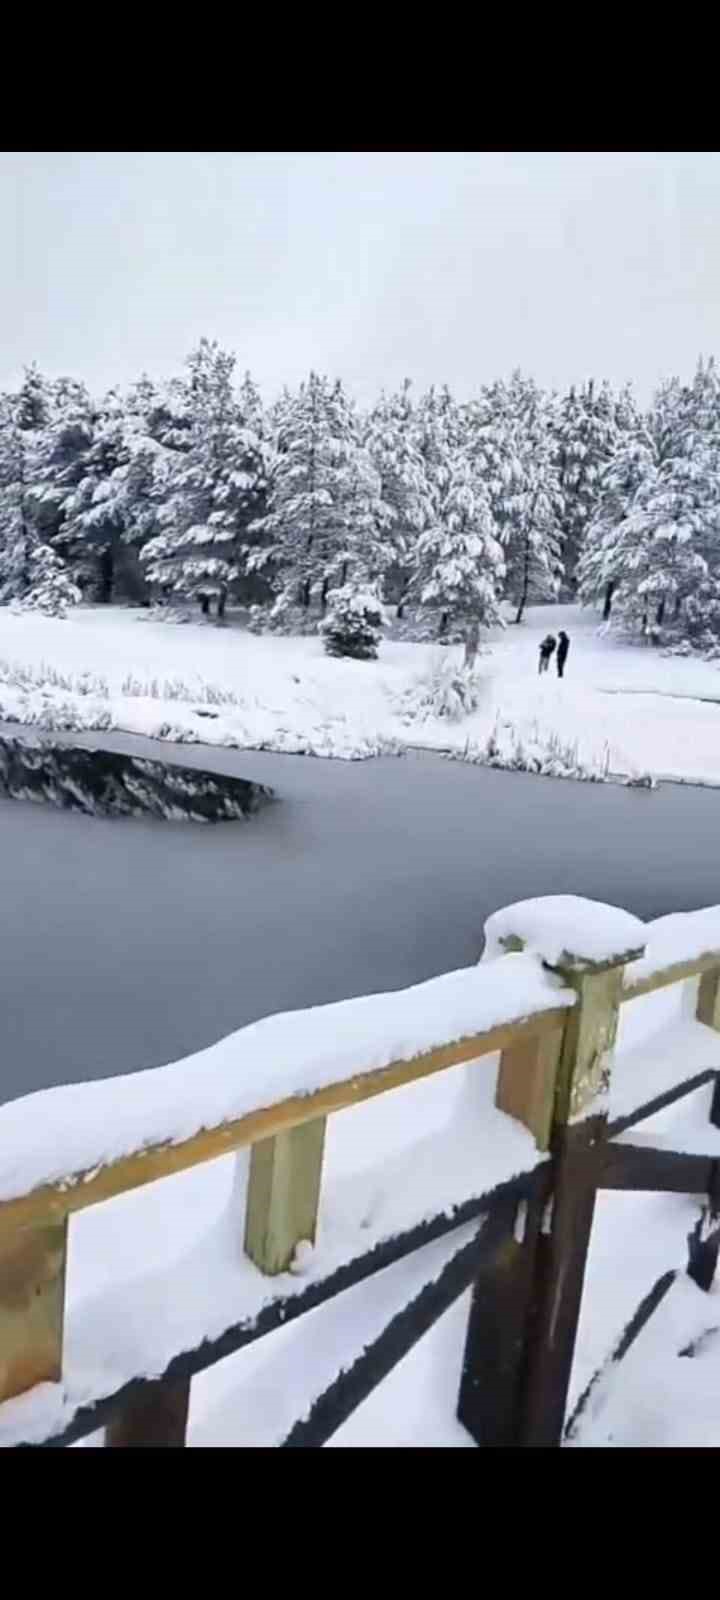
(449, 691)
(51, 589)
(354, 624)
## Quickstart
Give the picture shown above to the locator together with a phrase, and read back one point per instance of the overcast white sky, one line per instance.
(443, 267)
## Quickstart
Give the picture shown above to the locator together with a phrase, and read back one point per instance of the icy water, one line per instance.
(126, 943)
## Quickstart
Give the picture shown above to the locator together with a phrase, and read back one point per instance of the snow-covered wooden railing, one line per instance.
(546, 997)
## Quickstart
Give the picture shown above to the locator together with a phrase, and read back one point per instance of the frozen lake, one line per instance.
(126, 943)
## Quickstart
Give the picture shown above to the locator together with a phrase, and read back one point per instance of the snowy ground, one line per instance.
(624, 707)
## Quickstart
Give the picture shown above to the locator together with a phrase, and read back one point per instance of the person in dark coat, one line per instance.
(562, 652)
(546, 650)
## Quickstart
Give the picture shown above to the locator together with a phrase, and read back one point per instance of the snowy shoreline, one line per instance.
(619, 715)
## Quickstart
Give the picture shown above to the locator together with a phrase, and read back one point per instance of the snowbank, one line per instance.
(78, 1127)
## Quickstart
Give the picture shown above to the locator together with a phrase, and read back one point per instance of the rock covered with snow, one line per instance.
(566, 931)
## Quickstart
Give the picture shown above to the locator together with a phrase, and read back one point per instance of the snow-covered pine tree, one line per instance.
(50, 588)
(601, 559)
(460, 565)
(533, 558)
(16, 538)
(83, 457)
(658, 542)
(391, 440)
(513, 453)
(586, 436)
(213, 491)
(24, 520)
(313, 476)
(353, 624)
(252, 587)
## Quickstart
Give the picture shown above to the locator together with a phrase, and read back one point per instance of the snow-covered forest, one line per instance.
(313, 514)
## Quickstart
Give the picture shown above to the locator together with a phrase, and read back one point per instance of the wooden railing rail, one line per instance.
(555, 1069)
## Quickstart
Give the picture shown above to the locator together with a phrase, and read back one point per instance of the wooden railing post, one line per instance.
(156, 1414)
(708, 1000)
(283, 1195)
(562, 1097)
(32, 1304)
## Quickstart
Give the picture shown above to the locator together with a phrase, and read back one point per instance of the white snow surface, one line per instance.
(557, 926)
(75, 1128)
(621, 705)
(683, 936)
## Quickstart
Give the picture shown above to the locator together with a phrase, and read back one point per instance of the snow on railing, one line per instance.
(677, 947)
(549, 1006)
(66, 1148)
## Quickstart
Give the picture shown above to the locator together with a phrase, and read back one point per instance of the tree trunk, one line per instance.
(526, 583)
(305, 594)
(443, 622)
(324, 595)
(107, 576)
(222, 602)
(609, 592)
(400, 609)
(205, 604)
(472, 641)
(678, 608)
(660, 613)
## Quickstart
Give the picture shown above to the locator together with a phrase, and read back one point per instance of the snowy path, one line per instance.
(127, 944)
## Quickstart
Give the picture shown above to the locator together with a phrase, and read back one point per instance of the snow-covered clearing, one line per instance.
(621, 708)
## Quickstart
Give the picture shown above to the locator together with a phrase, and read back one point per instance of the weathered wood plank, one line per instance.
(588, 1041)
(527, 1082)
(154, 1415)
(708, 1001)
(32, 1302)
(637, 1168)
(283, 1195)
(560, 1245)
(494, 1356)
(715, 1107)
(51, 1202)
(560, 1265)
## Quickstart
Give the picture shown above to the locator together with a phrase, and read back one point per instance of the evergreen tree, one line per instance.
(460, 564)
(656, 539)
(314, 474)
(16, 538)
(513, 453)
(586, 435)
(391, 439)
(353, 624)
(212, 490)
(50, 588)
(601, 562)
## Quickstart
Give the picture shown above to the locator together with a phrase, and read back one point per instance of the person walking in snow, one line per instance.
(546, 650)
(562, 653)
